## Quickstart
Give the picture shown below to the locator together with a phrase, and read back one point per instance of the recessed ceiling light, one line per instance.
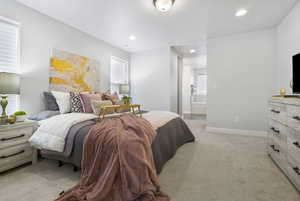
(163, 5)
(132, 37)
(241, 12)
(192, 51)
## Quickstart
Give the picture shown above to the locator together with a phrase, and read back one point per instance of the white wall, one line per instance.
(39, 34)
(174, 81)
(186, 88)
(240, 80)
(288, 44)
(150, 79)
(180, 84)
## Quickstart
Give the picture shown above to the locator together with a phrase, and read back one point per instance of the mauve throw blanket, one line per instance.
(117, 163)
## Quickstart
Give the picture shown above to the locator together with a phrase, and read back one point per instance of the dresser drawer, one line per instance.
(293, 110)
(277, 153)
(278, 112)
(16, 136)
(15, 153)
(293, 113)
(278, 132)
(293, 144)
(293, 171)
(294, 122)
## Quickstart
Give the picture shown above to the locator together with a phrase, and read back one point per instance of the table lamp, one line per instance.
(124, 89)
(9, 84)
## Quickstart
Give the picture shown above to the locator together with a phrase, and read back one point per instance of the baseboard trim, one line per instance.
(229, 131)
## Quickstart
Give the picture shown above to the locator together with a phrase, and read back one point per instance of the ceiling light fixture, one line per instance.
(163, 5)
(241, 12)
(132, 37)
(192, 51)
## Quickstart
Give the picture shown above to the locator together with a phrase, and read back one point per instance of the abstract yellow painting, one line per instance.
(73, 73)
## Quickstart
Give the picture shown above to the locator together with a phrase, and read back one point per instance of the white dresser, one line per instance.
(14, 147)
(284, 136)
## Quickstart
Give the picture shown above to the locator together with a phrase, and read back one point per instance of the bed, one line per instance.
(172, 133)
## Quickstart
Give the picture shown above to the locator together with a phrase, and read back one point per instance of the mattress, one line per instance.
(169, 138)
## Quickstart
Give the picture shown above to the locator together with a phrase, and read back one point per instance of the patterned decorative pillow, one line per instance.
(75, 100)
(97, 105)
(86, 101)
(114, 98)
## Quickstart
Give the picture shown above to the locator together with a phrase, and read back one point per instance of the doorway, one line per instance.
(194, 88)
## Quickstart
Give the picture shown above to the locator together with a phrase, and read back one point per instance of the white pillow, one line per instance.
(63, 101)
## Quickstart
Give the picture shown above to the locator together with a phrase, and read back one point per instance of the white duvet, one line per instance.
(159, 118)
(52, 133)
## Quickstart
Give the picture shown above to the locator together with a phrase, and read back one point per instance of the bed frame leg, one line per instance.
(75, 169)
(60, 163)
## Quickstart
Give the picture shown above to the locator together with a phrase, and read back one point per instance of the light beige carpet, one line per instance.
(215, 168)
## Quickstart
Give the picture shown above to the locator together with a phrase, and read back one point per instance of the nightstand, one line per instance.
(15, 149)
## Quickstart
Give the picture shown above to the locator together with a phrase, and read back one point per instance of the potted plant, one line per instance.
(126, 100)
(20, 115)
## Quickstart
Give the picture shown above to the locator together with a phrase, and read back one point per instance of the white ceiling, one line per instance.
(189, 22)
(184, 50)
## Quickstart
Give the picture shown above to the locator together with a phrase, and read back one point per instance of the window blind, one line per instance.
(9, 56)
(9, 47)
(13, 104)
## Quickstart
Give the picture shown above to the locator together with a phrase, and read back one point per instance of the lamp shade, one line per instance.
(124, 89)
(9, 83)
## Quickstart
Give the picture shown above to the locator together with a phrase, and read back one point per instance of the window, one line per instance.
(9, 55)
(119, 73)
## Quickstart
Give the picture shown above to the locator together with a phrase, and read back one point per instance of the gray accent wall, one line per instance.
(39, 34)
(241, 71)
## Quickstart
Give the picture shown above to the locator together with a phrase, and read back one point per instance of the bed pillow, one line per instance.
(86, 101)
(50, 102)
(114, 98)
(63, 101)
(76, 104)
(96, 105)
(43, 115)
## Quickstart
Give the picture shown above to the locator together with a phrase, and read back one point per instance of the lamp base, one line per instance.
(3, 120)
(3, 117)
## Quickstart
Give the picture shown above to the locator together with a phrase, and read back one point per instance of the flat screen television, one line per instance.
(296, 74)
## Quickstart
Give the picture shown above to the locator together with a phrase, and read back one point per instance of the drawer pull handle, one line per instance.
(11, 138)
(296, 118)
(273, 147)
(275, 111)
(20, 152)
(275, 130)
(297, 144)
(296, 169)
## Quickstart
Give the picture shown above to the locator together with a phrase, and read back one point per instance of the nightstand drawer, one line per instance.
(15, 136)
(12, 155)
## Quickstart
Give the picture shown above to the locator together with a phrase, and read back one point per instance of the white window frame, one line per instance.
(14, 98)
(127, 71)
